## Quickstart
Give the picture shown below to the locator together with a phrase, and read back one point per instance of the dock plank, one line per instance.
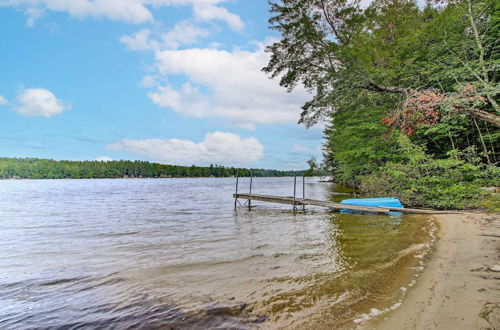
(333, 205)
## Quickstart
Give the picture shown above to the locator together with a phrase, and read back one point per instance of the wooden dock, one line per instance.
(290, 200)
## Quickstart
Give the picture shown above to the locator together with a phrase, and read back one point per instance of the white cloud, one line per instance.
(39, 102)
(239, 91)
(182, 34)
(182, 2)
(132, 11)
(208, 12)
(3, 100)
(300, 147)
(33, 14)
(139, 40)
(205, 10)
(188, 100)
(149, 81)
(217, 147)
(104, 159)
(365, 3)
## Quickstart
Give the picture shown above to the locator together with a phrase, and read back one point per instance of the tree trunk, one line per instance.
(385, 89)
(482, 141)
(486, 116)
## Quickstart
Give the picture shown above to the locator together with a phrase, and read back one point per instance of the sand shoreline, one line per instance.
(460, 286)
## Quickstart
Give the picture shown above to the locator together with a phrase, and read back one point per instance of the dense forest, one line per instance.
(409, 93)
(34, 168)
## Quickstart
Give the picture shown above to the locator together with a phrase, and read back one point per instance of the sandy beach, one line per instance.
(460, 286)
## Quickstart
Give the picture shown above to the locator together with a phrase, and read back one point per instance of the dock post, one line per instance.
(304, 190)
(236, 193)
(294, 190)
(250, 201)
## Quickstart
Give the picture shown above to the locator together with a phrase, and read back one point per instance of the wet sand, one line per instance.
(460, 286)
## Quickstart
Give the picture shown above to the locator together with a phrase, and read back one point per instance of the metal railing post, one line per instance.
(304, 190)
(250, 201)
(236, 193)
(294, 189)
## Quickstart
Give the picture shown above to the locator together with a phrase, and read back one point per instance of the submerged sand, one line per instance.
(460, 286)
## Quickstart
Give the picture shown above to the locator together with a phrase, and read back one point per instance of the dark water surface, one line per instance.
(171, 253)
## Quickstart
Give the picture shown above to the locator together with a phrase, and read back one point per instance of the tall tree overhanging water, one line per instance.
(409, 93)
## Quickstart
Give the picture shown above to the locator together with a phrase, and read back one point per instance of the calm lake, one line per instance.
(172, 253)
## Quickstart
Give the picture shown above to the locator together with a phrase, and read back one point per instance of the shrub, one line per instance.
(420, 180)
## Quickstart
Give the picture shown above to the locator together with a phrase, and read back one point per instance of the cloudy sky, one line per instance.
(171, 81)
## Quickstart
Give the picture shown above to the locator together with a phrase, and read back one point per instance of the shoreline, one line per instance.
(151, 177)
(460, 285)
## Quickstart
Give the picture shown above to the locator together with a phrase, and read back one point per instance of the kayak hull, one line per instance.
(375, 202)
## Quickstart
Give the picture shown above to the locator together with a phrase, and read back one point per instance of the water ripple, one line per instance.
(172, 253)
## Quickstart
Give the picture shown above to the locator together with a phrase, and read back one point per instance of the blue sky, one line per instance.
(170, 81)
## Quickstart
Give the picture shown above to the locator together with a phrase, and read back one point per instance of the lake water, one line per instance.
(172, 253)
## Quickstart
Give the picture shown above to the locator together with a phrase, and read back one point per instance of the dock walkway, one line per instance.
(290, 200)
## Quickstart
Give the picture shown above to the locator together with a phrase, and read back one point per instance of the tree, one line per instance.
(315, 35)
(313, 166)
(392, 69)
(378, 72)
(51, 169)
(337, 51)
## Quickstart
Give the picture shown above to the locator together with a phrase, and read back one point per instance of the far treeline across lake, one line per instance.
(34, 168)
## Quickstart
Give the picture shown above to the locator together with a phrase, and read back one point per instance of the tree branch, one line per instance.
(385, 89)
(331, 23)
(478, 42)
(486, 116)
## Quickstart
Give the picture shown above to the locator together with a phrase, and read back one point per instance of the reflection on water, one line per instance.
(159, 253)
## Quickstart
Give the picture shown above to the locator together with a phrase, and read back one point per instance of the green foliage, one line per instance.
(33, 168)
(420, 180)
(430, 73)
(313, 166)
(492, 202)
(358, 144)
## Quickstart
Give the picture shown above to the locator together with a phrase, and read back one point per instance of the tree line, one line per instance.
(34, 168)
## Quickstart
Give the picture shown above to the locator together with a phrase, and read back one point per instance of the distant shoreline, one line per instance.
(35, 168)
(177, 177)
(131, 178)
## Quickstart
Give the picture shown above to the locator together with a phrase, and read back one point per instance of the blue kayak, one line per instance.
(383, 201)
